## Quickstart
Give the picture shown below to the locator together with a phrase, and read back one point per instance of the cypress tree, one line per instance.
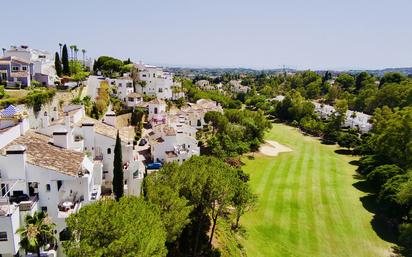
(118, 169)
(65, 61)
(58, 64)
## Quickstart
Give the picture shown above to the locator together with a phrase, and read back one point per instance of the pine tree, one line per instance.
(118, 169)
(58, 64)
(65, 61)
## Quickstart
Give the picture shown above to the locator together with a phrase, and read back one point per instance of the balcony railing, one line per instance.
(28, 205)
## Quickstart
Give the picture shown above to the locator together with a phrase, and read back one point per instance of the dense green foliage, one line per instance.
(193, 197)
(193, 94)
(36, 98)
(110, 66)
(236, 132)
(108, 228)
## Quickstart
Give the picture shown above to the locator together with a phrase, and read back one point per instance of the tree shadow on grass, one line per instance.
(354, 162)
(382, 226)
(343, 151)
(327, 142)
(363, 186)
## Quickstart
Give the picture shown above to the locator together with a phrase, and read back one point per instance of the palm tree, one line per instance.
(84, 53)
(72, 51)
(134, 74)
(60, 45)
(37, 232)
(75, 52)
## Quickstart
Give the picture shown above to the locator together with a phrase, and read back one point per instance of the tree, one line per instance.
(243, 201)
(346, 81)
(217, 120)
(38, 231)
(395, 138)
(162, 189)
(65, 61)
(118, 184)
(405, 238)
(58, 64)
(383, 173)
(60, 47)
(392, 77)
(348, 140)
(84, 56)
(128, 227)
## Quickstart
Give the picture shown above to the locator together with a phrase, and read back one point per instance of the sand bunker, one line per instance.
(273, 148)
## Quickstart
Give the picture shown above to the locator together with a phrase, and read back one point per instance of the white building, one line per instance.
(353, 119)
(124, 87)
(157, 111)
(170, 145)
(134, 100)
(44, 174)
(43, 62)
(237, 87)
(194, 113)
(99, 142)
(157, 82)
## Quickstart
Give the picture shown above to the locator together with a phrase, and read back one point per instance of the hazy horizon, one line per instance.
(298, 34)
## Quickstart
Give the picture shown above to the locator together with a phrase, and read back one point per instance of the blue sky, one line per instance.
(313, 34)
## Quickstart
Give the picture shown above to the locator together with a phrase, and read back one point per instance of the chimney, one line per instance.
(88, 135)
(61, 139)
(16, 161)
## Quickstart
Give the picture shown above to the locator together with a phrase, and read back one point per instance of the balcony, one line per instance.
(98, 157)
(28, 205)
(67, 208)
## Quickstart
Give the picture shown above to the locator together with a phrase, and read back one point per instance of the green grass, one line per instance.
(307, 204)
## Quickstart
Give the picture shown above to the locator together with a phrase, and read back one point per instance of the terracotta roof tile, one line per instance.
(43, 154)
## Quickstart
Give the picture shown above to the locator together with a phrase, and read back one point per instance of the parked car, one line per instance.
(154, 166)
(19, 198)
(142, 142)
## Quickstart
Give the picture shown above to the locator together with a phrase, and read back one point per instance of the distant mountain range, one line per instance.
(193, 72)
(405, 70)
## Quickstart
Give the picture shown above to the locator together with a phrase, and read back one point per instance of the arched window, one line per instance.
(109, 151)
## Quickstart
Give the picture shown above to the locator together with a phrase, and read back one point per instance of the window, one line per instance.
(109, 151)
(120, 84)
(59, 184)
(131, 99)
(24, 68)
(160, 90)
(15, 68)
(3, 76)
(44, 208)
(3, 236)
(48, 187)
